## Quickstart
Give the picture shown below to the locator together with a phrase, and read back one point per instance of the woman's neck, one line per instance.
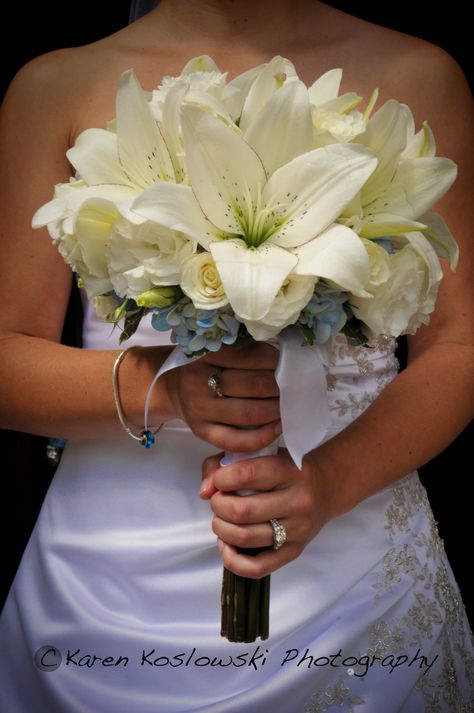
(256, 23)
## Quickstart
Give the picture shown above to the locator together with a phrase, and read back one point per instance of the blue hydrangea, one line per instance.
(197, 330)
(386, 244)
(324, 315)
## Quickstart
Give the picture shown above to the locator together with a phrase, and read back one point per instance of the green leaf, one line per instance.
(132, 320)
(354, 329)
(307, 333)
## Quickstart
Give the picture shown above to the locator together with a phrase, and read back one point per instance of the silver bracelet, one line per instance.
(146, 437)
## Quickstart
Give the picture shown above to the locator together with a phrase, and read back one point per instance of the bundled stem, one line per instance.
(245, 606)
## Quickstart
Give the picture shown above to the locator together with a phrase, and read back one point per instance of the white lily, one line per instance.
(268, 80)
(282, 129)
(252, 224)
(335, 118)
(418, 144)
(441, 238)
(136, 156)
(200, 83)
(402, 188)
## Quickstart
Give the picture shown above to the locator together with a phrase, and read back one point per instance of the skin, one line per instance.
(59, 95)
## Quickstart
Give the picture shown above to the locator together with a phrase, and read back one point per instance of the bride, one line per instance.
(115, 605)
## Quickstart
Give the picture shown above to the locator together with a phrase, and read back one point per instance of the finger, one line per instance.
(257, 566)
(245, 383)
(258, 355)
(251, 509)
(245, 536)
(238, 440)
(261, 473)
(243, 412)
(209, 466)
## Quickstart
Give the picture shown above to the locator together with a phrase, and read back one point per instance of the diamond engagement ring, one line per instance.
(214, 384)
(279, 533)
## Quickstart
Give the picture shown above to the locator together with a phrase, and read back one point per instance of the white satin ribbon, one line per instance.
(301, 377)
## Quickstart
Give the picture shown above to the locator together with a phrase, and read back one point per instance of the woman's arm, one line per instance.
(416, 416)
(47, 388)
(50, 389)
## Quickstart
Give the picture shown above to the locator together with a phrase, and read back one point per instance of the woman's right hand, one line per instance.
(246, 378)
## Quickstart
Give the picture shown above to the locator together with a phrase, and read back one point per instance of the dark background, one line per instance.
(26, 473)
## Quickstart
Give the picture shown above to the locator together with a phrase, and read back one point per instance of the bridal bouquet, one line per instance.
(255, 208)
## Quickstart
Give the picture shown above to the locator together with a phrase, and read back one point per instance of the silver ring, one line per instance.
(214, 384)
(279, 533)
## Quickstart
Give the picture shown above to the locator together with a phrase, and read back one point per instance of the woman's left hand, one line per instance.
(303, 501)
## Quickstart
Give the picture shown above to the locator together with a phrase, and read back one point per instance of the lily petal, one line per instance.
(141, 147)
(236, 90)
(326, 87)
(423, 247)
(386, 136)
(316, 187)
(381, 224)
(175, 207)
(95, 158)
(338, 255)
(171, 123)
(283, 127)
(441, 238)
(201, 63)
(421, 144)
(225, 171)
(73, 195)
(416, 186)
(251, 276)
(267, 82)
(342, 104)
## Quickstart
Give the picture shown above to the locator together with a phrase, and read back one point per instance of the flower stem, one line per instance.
(245, 606)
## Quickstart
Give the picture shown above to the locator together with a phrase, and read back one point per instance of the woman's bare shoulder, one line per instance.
(66, 84)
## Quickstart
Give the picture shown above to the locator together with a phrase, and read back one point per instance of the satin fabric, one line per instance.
(121, 579)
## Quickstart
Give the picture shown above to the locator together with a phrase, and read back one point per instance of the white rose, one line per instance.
(79, 220)
(146, 255)
(105, 307)
(402, 303)
(85, 247)
(331, 126)
(292, 297)
(201, 282)
(379, 261)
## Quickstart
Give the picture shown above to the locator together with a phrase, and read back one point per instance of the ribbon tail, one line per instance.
(175, 359)
(301, 377)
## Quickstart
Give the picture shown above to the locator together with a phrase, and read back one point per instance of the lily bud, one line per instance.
(158, 297)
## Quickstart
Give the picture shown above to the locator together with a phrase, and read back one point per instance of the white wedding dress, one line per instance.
(120, 584)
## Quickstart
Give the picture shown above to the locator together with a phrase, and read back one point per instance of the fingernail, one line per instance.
(204, 486)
